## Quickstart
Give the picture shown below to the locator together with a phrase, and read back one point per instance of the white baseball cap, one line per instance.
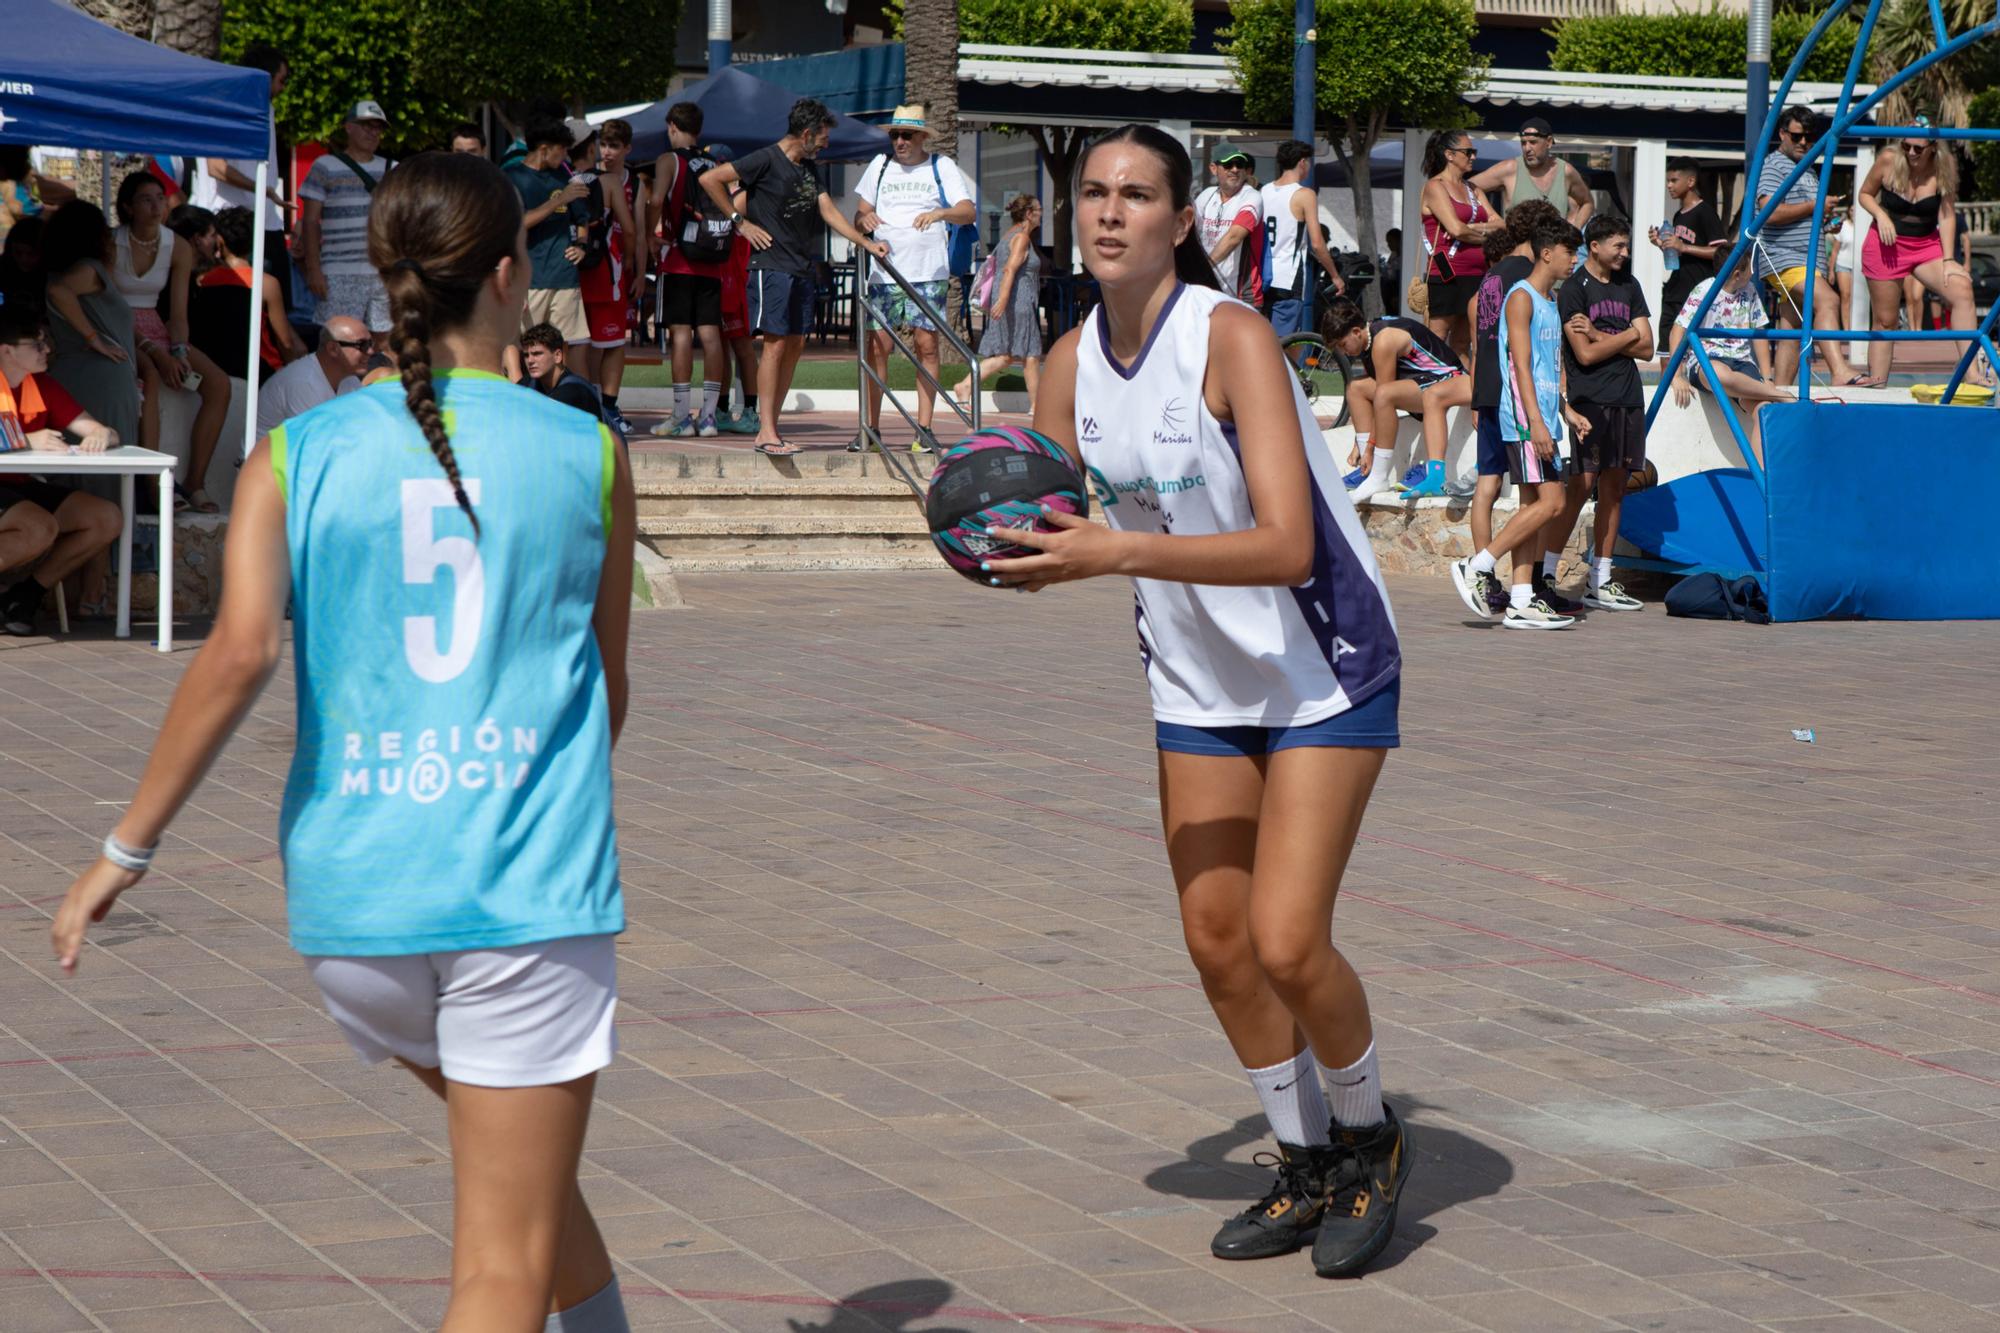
(368, 109)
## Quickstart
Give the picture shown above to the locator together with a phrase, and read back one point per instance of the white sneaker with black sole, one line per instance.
(1469, 588)
(1612, 597)
(1535, 615)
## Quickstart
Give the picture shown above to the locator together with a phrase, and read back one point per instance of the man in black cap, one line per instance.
(1539, 174)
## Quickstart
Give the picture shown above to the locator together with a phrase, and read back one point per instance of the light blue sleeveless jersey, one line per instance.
(452, 783)
(1544, 357)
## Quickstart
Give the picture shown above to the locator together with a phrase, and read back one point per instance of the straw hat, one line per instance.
(909, 118)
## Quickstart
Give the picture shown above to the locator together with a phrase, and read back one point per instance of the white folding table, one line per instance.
(125, 463)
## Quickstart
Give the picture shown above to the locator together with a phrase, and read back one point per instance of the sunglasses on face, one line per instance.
(1916, 147)
(900, 135)
(358, 345)
(1792, 136)
(1463, 148)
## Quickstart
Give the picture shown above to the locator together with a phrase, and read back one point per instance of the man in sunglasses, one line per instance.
(335, 367)
(910, 198)
(1539, 174)
(1787, 236)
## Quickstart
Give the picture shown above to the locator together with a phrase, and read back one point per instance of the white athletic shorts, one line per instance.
(523, 1017)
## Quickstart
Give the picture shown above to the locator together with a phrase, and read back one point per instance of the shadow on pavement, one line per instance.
(1451, 1169)
(891, 1307)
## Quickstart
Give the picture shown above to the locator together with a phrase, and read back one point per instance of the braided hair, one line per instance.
(438, 226)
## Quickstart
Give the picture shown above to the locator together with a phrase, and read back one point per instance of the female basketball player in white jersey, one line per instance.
(1274, 669)
(459, 552)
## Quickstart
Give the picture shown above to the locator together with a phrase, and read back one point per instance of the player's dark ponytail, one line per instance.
(1191, 264)
(439, 225)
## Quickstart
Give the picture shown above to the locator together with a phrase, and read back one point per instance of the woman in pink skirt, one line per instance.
(1909, 196)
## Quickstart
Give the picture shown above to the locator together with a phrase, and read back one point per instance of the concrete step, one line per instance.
(850, 495)
(789, 562)
(817, 464)
(793, 534)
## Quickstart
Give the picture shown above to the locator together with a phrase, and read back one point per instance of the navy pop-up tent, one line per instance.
(68, 81)
(746, 112)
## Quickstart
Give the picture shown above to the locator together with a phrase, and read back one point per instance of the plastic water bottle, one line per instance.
(1671, 258)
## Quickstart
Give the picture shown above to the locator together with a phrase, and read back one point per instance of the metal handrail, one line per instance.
(863, 265)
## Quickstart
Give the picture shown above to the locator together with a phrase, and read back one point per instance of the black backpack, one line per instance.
(1712, 597)
(703, 235)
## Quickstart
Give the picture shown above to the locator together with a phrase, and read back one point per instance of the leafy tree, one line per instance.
(1380, 63)
(1944, 92)
(429, 62)
(1084, 25)
(1697, 44)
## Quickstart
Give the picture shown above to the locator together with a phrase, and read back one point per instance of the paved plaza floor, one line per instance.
(1696, 1027)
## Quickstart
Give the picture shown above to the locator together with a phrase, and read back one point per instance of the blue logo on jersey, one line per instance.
(1100, 487)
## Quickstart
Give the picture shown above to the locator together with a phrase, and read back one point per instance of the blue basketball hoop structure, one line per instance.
(1802, 545)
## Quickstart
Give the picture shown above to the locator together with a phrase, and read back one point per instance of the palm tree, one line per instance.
(930, 67)
(1943, 92)
(193, 26)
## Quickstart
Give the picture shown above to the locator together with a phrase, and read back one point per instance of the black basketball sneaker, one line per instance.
(1279, 1222)
(1363, 1186)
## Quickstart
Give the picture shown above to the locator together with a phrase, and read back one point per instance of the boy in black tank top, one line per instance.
(1400, 366)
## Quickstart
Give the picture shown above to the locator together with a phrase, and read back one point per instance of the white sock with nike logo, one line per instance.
(1293, 1101)
(1356, 1092)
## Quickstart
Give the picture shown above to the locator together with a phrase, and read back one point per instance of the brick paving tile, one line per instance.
(1696, 1028)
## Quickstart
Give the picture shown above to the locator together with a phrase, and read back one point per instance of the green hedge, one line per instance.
(1985, 182)
(1696, 46)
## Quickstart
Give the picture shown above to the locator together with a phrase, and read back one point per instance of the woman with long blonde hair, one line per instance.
(1909, 195)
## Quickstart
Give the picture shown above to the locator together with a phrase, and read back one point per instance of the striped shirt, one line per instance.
(343, 218)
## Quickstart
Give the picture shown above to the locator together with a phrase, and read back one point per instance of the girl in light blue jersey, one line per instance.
(458, 551)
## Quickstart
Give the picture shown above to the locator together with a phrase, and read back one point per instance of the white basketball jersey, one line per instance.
(1159, 461)
(1284, 238)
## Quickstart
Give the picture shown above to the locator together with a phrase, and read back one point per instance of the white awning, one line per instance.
(1143, 71)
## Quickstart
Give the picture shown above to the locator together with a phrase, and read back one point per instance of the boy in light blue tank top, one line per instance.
(1531, 414)
(459, 553)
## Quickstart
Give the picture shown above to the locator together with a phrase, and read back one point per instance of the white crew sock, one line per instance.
(680, 401)
(602, 1313)
(1519, 595)
(1550, 560)
(1378, 478)
(1356, 1092)
(1361, 439)
(711, 391)
(1485, 562)
(1292, 1100)
(1600, 571)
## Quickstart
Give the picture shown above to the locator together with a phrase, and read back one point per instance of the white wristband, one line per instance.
(135, 859)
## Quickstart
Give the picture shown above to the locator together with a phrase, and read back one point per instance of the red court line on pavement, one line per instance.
(1858, 1042)
(1972, 992)
(922, 1309)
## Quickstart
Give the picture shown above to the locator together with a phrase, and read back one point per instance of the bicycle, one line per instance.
(1321, 369)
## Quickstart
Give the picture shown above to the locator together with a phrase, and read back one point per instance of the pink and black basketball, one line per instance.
(1000, 477)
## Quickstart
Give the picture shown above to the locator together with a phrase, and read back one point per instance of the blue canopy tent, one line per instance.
(68, 81)
(746, 112)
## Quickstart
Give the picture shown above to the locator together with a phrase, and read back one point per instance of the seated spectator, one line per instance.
(22, 280)
(219, 314)
(25, 192)
(152, 263)
(334, 368)
(95, 356)
(196, 226)
(542, 349)
(51, 531)
(1743, 365)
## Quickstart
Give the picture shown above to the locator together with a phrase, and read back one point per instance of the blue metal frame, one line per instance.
(1846, 123)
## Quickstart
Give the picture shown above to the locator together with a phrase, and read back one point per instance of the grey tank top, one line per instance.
(1557, 194)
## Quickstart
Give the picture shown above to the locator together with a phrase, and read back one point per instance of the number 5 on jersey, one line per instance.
(424, 553)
